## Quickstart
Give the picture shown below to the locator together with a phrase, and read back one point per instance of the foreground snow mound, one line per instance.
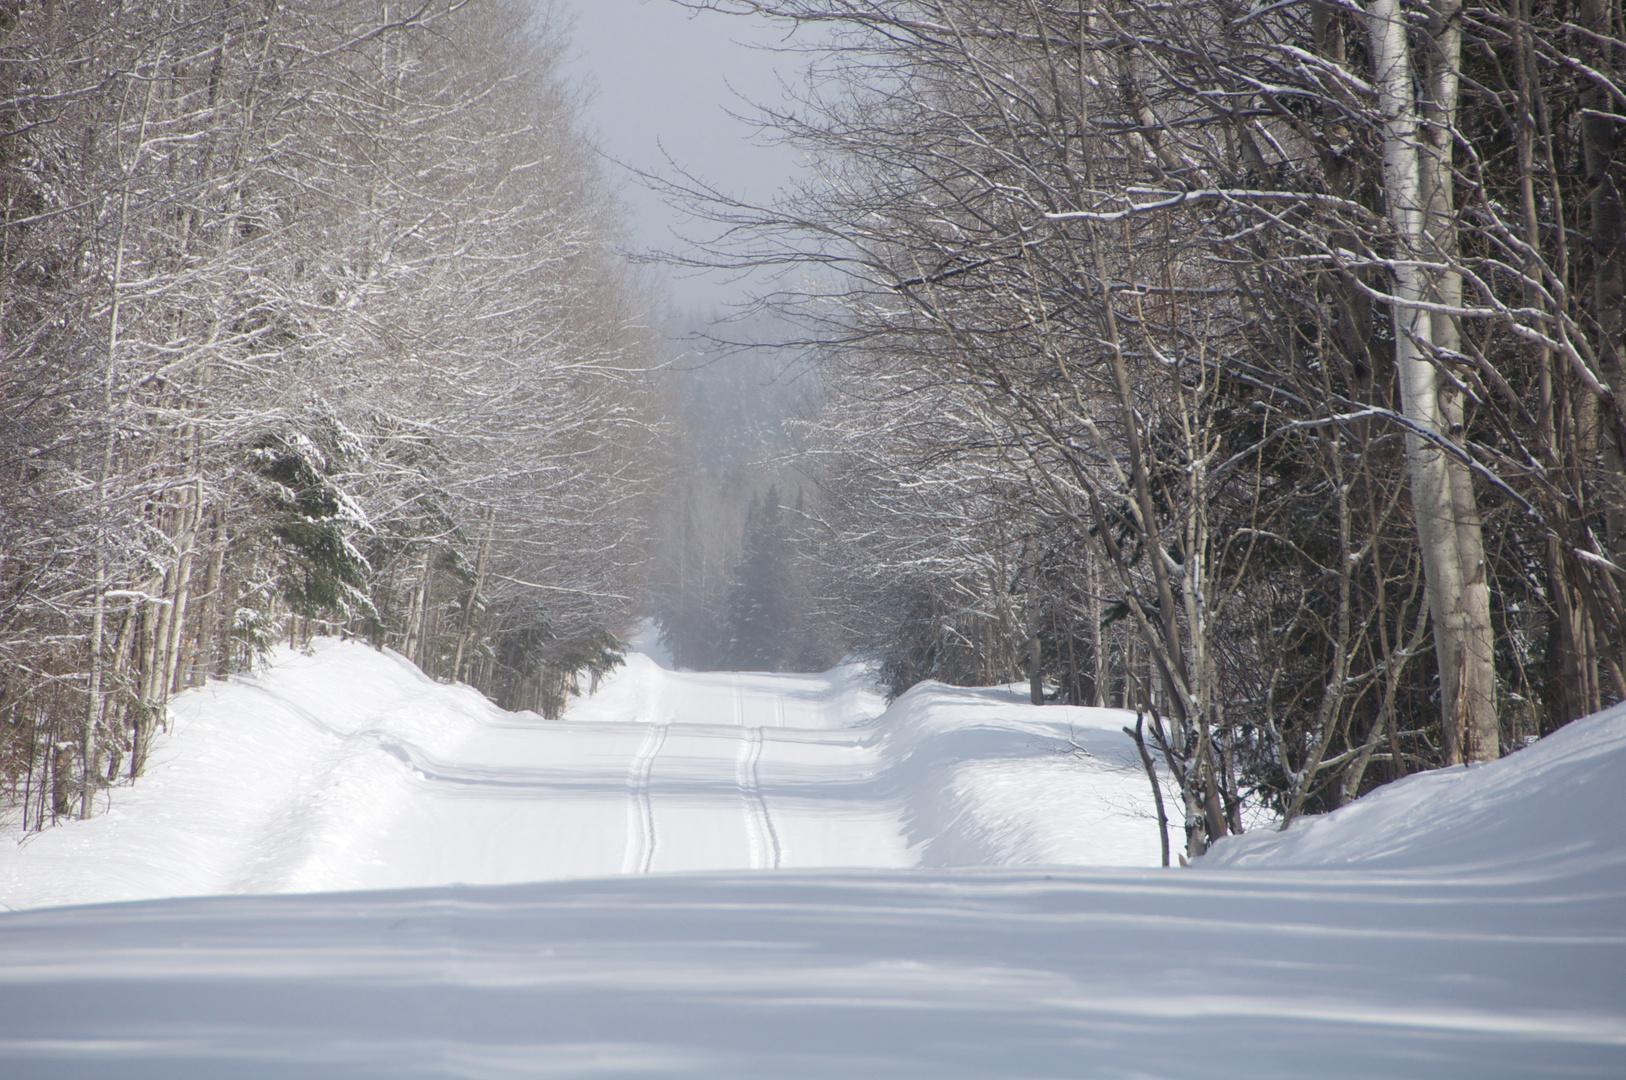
(1550, 810)
(904, 975)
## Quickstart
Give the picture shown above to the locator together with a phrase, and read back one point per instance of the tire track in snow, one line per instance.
(762, 841)
(641, 839)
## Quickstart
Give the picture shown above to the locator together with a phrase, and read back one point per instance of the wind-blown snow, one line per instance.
(938, 908)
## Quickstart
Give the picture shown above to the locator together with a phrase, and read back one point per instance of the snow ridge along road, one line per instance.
(345, 768)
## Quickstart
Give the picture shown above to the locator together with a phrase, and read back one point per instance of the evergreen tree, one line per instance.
(759, 603)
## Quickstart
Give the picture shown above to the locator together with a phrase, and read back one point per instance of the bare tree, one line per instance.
(1214, 293)
(320, 305)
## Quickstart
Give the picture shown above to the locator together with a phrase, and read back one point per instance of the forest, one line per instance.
(312, 321)
(1251, 366)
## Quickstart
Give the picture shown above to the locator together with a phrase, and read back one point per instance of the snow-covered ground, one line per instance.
(346, 768)
(720, 875)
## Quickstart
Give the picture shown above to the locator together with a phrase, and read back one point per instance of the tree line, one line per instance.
(310, 320)
(730, 584)
(1253, 366)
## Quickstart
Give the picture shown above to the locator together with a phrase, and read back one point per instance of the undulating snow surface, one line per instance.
(346, 768)
(746, 875)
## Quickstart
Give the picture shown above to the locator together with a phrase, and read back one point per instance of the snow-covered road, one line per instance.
(714, 772)
(753, 876)
(345, 768)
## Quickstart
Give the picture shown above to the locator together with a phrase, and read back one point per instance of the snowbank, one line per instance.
(342, 767)
(1549, 810)
(986, 779)
(263, 783)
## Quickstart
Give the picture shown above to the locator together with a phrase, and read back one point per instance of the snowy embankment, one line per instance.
(1469, 922)
(259, 785)
(346, 768)
(1550, 811)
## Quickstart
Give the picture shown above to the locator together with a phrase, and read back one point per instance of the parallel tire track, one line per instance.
(761, 838)
(641, 837)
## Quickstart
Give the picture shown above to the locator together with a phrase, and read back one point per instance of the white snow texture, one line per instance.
(766, 876)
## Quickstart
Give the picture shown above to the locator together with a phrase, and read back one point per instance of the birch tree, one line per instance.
(1241, 287)
(1426, 298)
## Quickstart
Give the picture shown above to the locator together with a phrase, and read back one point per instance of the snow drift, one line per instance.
(1550, 810)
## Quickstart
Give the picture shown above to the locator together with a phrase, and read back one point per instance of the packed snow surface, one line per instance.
(342, 767)
(764, 876)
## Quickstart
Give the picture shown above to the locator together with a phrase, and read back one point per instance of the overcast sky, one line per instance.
(665, 81)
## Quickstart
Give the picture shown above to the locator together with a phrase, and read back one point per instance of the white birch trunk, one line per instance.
(1448, 529)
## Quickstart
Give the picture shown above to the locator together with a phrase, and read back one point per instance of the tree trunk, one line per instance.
(62, 785)
(1601, 121)
(209, 627)
(1136, 733)
(1447, 520)
(1035, 648)
(467, 634)
(191, 519)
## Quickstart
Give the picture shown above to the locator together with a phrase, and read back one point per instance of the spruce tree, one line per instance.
(759, 602)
